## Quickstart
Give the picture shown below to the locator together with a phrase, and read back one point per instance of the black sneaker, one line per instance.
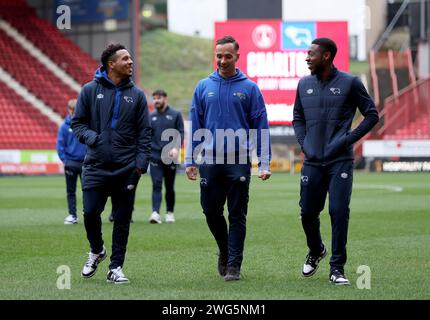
(312, 262)
(222, 264)
(338, 278)
(233, 274)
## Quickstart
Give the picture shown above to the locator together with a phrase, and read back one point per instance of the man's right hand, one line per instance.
(191, 173)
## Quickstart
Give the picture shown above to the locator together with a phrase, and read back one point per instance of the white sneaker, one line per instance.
(170, 217)
(94, 259)
(155, 217)
(71, 219)
(116, 276)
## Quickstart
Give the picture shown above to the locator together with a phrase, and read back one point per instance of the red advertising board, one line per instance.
(31, 168)
(273, 53)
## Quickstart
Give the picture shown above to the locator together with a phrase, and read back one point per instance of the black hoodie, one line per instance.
(113, 121)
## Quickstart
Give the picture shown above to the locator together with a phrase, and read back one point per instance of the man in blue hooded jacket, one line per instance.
(72, 154)
(112, 119)
(326, 102)
(229, 114)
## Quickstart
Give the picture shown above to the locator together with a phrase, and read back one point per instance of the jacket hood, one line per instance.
(239, 76)
(101, 77)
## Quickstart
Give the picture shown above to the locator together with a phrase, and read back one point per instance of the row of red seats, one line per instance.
(419, 129)
(21, 125)
(46, 37)
(34, 76)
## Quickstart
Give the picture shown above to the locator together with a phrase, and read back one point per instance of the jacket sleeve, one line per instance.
(196, 121)
(82, 118)
(367, 107)
(144, 135)
(180, 126)
(260, 123)
(61, 144)
(299, 121)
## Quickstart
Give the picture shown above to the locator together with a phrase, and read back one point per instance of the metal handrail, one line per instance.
(390, 27)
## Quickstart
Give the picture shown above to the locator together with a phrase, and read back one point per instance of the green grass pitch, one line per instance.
(389, 232)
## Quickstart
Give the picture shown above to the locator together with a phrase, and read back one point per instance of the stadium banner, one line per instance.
(400, 165)
(30, 162)
(273, 53)
(83, 11)
(396, 148)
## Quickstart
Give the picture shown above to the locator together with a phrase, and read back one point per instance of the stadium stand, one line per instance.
(407, 116)
(65, 53)
(33, 75)
(21, 125)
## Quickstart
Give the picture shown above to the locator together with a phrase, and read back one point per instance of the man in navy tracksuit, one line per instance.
(72, 154)
(226, 107)
(112, 119)
(324, 109)
(167, 138)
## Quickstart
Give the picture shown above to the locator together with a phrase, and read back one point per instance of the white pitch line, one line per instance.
(378, 187)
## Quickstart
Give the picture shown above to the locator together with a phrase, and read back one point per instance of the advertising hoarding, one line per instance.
(273, 53)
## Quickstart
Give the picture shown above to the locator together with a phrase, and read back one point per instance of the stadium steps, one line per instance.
(66, 54)
(40, 56)
(417, 130)
(21, 125)
(33, 75)
(12, 84)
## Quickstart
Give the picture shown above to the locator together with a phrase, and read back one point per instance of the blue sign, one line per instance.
(94, 10)
(297, 35)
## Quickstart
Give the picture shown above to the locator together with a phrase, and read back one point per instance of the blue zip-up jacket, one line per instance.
(323, 114)
(113, 121)
(68, 146)
(169, 119)
(235, 103)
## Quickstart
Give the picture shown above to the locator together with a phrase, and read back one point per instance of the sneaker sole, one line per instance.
(315, 270)
(92, 274)
(340, 283)
(154, 222)
(123, 282)
(226, 278)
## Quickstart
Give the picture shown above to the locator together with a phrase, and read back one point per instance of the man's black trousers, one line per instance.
(316, 181)
(72, 173)
(158, 171)
(122, 205)
(219, 183)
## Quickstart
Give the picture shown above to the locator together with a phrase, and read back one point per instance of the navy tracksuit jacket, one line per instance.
(113, 122)
(164, 168)
(323, 114)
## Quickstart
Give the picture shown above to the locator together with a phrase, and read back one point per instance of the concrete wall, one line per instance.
(377, 21)
(195, 17)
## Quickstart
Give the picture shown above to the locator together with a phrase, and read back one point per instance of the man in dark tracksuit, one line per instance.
(167, 138)
(227, 101)
(324, 109)
(72, 154)
(112, 119)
